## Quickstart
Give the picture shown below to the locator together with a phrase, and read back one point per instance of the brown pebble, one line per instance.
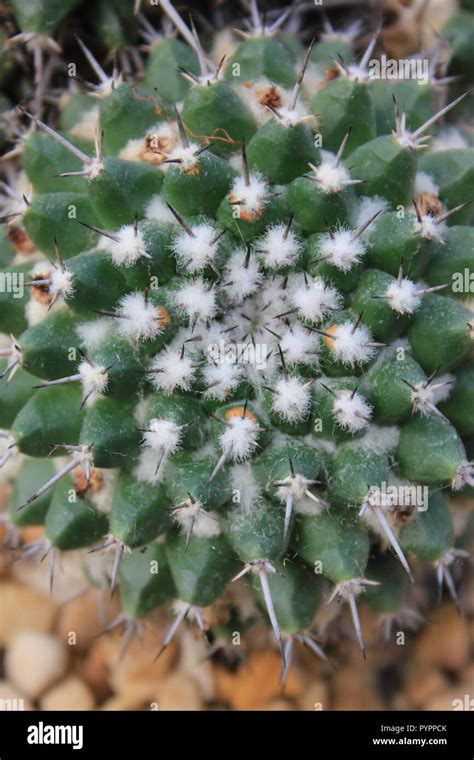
(34, 661)
(256, 682)
(178, 692)
(23, 609)
(444, 642)
(70, 694)
(355, 689)
(422, 685)
(84, 617)
(138, 662)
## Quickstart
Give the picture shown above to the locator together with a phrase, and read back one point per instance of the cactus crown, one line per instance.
(240, 349)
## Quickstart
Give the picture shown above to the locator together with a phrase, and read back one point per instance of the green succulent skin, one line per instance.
(283, 222)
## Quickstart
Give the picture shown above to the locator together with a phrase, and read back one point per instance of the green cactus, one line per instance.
(244, 342)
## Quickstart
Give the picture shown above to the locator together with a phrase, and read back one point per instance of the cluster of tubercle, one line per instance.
(242, 349)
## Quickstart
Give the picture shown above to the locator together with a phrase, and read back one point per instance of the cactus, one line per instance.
(242, 345)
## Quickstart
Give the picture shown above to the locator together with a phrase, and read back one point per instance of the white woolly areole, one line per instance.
(132, 150)
(197, 251)
(429, 229)
(238, 441)
(423, 398)
(299, 345)
(173, 371)
(294, 486)
(197, 299)
(94, 379)
(315, 300)
(147, 469)
(251, 197)
(93, 334)
(424, 183)
(256, 94)
(291, 399)
(365, 210)
(350, 345)
(186, 155)
(163, 436)
(278, 247)
(243, 280)
(221, 379)
(139, 319)
(448, 139)
(35, 311)
(342, 249)
(443, 387)
(382, 439)
(88, 125)
(62, 283)
(402, 296)
(193, 517)
(245, 485)
(331, 178)
(128, 248)
(157, 210)
(351, 411)
(103, 498)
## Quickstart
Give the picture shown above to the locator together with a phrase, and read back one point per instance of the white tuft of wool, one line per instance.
(244, 485)
(163, 436)
(93, 334)
(429, 229)
(103, 498)
(351, 411)
(315, 300)
(243, 280)
(128, 248)
(62, 283)
(94, 379)
(88, 125)
(147, 469)
(132, 150)
(157, 210)
(342, 249)
(139, 319)
(402, 296)
(292, 399)
(172, 371)
(35, 311)
(251, 197)
(194, 518)
(259, 92)
(279, 248)
(380, 438)
(350, 345)
(424, 183)
(329, 177)
(197, 251)
(238, 441)
(448, 139)
(221, 379)
(365, 210)
(299, 345)
(185, 155)
(443, 387)
(197, 299)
